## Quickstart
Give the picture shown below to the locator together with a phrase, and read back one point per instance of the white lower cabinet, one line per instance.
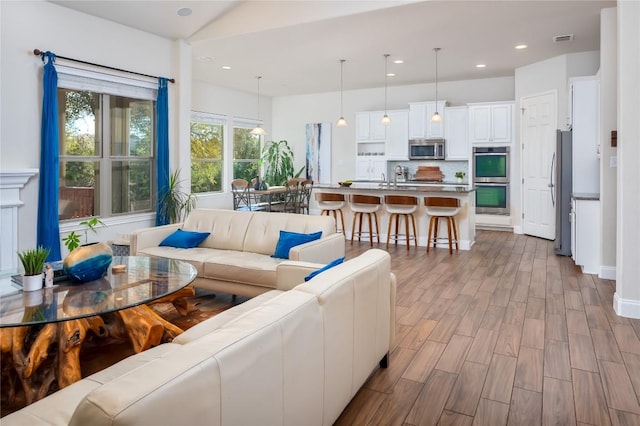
(585, 234)
(371, 168)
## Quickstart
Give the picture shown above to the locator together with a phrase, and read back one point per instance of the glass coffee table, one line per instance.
(32, 323)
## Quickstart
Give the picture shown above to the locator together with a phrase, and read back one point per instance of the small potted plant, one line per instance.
(72, 240)
(460, 176)
(33, 263)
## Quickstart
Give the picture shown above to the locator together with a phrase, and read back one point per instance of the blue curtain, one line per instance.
(162, 151)
(48, 228)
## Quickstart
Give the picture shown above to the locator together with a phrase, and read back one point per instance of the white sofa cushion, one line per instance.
(241, 267)
(264, 229)
(195, 256)
(228, 227)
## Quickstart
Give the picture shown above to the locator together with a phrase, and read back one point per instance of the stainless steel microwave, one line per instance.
(426, 149)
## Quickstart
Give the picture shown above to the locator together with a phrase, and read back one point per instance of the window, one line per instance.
(207, 138)
(107, 144)
(246, 152)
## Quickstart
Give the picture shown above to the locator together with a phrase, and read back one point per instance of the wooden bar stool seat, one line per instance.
(365, 205)
(332, 203)
(442, 207)
(401, 206)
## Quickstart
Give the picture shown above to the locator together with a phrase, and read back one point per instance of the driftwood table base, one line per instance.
(42, 359)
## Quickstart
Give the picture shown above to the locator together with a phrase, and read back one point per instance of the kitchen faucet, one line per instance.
(384, 178)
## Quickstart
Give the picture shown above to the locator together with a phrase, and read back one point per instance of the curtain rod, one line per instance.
(39, 52)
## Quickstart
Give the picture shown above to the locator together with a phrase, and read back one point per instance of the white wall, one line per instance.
(627, 296)
(549, 75)
(608, 117)
(292, 113)
(46, 26)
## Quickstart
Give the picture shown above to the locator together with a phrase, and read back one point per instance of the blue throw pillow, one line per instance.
(329, 265)
(292, 239)
(184, 239)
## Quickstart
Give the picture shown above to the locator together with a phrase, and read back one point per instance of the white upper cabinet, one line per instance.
(398, 136)
(491, 123)
(420, 124)
(369, 127)
(456, 133)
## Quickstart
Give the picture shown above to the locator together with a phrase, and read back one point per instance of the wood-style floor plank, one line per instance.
(466, 392)
(590, 403)
(491, 413)
(430, 403)
(617, 387)
(525, 408)
(500, 378)
(557, 403)
(529, 369)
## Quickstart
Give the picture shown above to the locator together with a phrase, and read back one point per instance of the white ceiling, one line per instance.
(296, 45)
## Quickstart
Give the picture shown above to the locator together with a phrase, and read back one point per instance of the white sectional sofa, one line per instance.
(292, 357)
(236, 257)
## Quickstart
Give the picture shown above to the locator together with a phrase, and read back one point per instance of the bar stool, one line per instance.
(401, 206)
(331, 203)
(447, 208)
(361, 205)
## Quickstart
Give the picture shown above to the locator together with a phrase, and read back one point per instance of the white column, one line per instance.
(627, 297)
(11, 182)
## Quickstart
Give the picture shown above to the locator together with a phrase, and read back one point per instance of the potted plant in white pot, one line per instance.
(33, 263)
(460, 176)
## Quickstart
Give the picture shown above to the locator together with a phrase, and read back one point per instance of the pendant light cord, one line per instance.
(386, 57)
(436, 49)
(341, 87)
(259, 77)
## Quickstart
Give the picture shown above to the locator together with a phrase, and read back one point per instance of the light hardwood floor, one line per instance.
(506, 333)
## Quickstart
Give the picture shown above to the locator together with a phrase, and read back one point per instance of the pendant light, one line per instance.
(436, 118)
(385, 119)
(258, 130)
(341, 121)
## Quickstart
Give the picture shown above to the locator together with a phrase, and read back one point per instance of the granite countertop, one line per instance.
(586, 196)
(400, 186)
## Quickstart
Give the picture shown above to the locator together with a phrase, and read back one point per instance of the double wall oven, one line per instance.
(491, 178)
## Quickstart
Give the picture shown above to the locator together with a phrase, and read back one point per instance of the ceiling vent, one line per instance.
(561, 38)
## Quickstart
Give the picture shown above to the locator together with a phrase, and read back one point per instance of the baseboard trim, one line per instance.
(517, 230)
(628, 308)
(607, 273)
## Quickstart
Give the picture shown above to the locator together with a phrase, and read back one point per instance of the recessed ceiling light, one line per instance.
(398, 61)
(521, 46)
(391, 74)
(226, 67)
(184, 11)
(204, 58)
(481, 66)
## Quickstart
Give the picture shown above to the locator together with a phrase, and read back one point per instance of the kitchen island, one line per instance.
(465, 218)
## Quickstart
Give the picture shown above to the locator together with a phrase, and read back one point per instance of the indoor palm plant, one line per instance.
(278, 160)
(176, 204)
(33, 263)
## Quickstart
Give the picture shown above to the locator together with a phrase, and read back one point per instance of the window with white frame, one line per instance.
(246, 151)
(107, 140)
(207, 152)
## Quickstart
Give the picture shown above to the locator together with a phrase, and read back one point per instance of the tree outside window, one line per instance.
(207, 138)
(246, 154)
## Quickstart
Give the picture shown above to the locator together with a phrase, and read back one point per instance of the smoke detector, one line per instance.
(561, 38)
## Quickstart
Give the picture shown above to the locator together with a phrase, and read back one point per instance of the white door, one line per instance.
(539, 122)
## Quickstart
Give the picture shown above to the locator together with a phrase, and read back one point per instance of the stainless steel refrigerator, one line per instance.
(561, 192)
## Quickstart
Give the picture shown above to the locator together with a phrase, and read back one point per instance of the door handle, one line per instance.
(551, 185)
